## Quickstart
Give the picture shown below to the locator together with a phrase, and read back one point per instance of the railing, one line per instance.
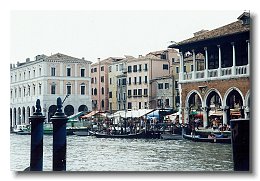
(200, 74)
(213, 73)
(187, 76)
(240, 70)
(226, 71)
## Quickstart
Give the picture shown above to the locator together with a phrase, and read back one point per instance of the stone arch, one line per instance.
(11, 118)
(192, 103)
(19, 112)
(210, 93)
(23, 115)
(233, 99)
(15, 117)
(69, 110)
(51, 111)
(28, 114)
(83, 108)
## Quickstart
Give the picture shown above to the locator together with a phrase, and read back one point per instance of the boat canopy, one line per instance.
(74, 116)
(131, 113)
(94, 114)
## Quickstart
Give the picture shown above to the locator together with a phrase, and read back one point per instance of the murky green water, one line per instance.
(103, 154)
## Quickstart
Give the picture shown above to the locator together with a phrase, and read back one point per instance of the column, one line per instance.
(181, 67)
(205, 117)
(61, 69)
(206, 63)
(194, 64)
(219, 61)
(248, 55)
(234, 59)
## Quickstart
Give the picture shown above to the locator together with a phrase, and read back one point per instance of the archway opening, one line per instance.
(195, 108)
(69, 110)
(234, 104)
(83, 108)
(214, 111)
(51, 111)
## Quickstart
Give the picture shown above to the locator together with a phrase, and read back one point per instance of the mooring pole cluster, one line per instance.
(59, 121)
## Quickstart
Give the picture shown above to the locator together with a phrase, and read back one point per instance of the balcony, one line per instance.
(214, 74)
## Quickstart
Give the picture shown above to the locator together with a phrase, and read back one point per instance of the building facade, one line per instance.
(224, 83)
(47, 78)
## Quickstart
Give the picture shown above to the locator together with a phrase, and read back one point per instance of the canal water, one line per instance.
(106, 154)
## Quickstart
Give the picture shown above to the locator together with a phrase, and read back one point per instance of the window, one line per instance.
(40, 71)
(129, 92)
(110, 94)
(116, 67)
(129, 69)
(102, 91)
(95, 91)
(34, 90)
(173, 60)
(53, 88)
(129, 80)
(124, 96)
(110, 81)
(102, 68)
(176, 84)
(102, 104)
(140, 105)
(52, 71)
(95, 70)
(20, 92)
(68, 89)
(145, 92)
(145, 79)
(40, 89)
(135, 92)
(124, 81)
(160, 86)
(29, 74)
(92, 91)
(140, 80)
(177, 70)
(82, 72)
(110, 68)
(92, 80)
(92, 70)
(33, 73)
(29, 91)
(68, 72)
(15, 93)
(129, 105)
(165, 66)
(102, 78)
(82, 89)
(24, 93)
(184, 68)
(139, 92)
(140, 68)
(134, 80)
(166, 85)
(145, 67)
(135, 68)
(167, 102)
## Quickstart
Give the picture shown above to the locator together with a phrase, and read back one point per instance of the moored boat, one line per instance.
(82, 133)
(104, 135)
(215, 139)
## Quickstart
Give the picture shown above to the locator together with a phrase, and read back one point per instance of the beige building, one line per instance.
(47, 78)
(99, 84)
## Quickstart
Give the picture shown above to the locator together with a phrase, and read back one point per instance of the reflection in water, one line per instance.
(105, 154)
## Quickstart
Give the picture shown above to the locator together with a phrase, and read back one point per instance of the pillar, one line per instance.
(206, 63)
(248, 55)
(234, 59)
(194, 64)
(219, 61)
(181, 67)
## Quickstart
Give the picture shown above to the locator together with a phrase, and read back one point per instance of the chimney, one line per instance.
(139, 56)
(98, 59)
(27, 60)
(83, 58)
(17, 64)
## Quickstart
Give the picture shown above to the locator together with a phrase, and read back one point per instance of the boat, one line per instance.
(168, 136)
(22, 129)
(82, 133)
(215, 139)
(104, 135)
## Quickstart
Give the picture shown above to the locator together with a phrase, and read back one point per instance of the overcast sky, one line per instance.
(102, 34)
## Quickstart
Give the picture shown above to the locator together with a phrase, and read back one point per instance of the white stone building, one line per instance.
(47, 78)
